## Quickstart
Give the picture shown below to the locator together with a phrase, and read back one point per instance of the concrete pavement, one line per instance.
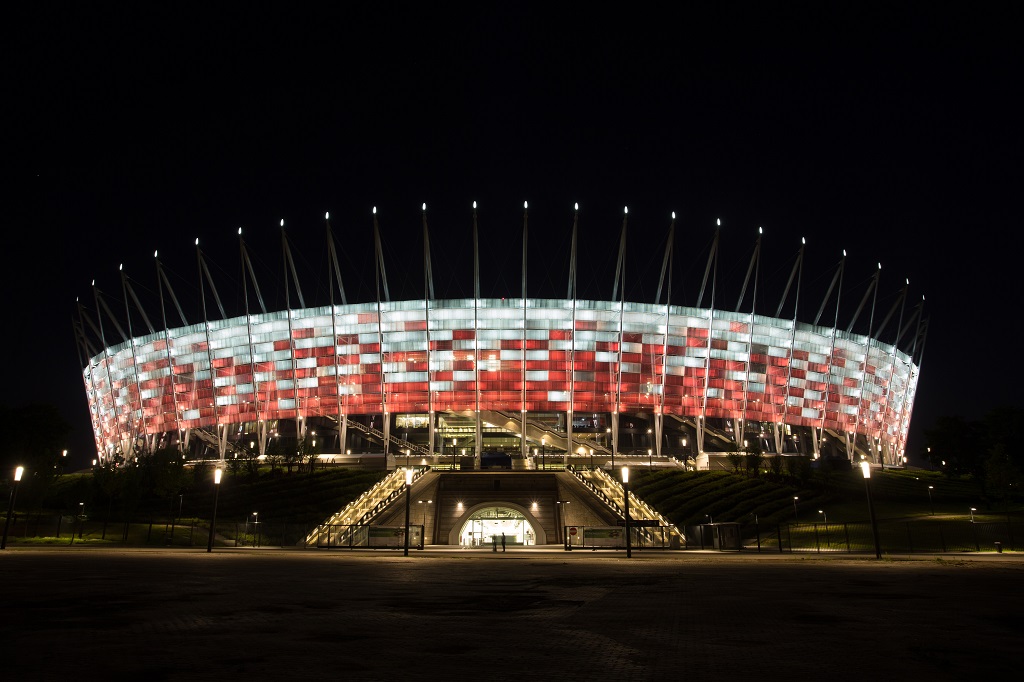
(538, 613)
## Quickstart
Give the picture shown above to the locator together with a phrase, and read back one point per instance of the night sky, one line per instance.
(893, 133)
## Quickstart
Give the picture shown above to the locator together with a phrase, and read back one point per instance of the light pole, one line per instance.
(543, 446)
(931, 505)
(565, 522)
(454, 440)
(822, 512)
(650, 462)
(10, 505)
(608, 443)
(625, 492)
(255, 526)
(795, 517)
(865, 469)
(591, 458)
(408, 487)
(423, 516)
(217, 473)
(973, 509)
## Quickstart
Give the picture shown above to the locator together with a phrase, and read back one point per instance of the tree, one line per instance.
(985, 449)
(752, 458)
(1002, 475)
(35, 440)
(735, 460)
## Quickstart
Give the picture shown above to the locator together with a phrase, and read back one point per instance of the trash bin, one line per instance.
(999, 548)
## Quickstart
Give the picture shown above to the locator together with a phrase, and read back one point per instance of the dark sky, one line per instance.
(892, 132)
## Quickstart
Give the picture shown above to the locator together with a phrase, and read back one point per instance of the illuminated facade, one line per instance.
(510, 356)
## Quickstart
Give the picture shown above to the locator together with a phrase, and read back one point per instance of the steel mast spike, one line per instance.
(428, 295)
(333, 252)
(478, 441)
(380, 274)
(161, 280)
(261, 429)
(335, 271)
(666, 266)
(522, 440)
(221, 437)
(147, 439)
(620, 275)
(572, 338)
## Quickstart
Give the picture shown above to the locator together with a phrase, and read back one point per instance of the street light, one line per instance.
(608, 443)
(543, 447)
(423, 516)
(217, 473)
(591, 458)
(930, 503)
(565, 522)
(822, 512)
(408, 487)
(795, 517)
(865, 469)
(255, 526)
(973, 509)
(625, 491)
(650, 462)
(10, 505)
(454, 441)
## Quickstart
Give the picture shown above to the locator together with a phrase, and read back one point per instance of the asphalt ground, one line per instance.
(528, 614)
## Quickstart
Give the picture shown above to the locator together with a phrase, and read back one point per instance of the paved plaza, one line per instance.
(521, 615)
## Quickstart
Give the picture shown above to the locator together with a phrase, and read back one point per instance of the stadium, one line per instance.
(522, 381)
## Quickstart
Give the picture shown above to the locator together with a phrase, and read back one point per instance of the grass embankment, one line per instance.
(289, 501)
(694, 497)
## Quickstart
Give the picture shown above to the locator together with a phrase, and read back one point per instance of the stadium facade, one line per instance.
(565, 374)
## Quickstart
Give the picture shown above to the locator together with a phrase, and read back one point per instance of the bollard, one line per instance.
(999, 548)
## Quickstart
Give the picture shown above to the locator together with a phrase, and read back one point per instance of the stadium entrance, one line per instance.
(485, 526)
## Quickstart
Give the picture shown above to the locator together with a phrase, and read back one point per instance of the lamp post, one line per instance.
(454, 440)
(591, 458)
(423, 516)
(408, 487)
(255, 526)
(543, 447)
(650, 462)
(625, 492)
(865, 469)
(973, 509)
(795, 517)
(608, 443)
(565, 522)
(931, 505)
(822, 512)
(10, 505)
(217, 473)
